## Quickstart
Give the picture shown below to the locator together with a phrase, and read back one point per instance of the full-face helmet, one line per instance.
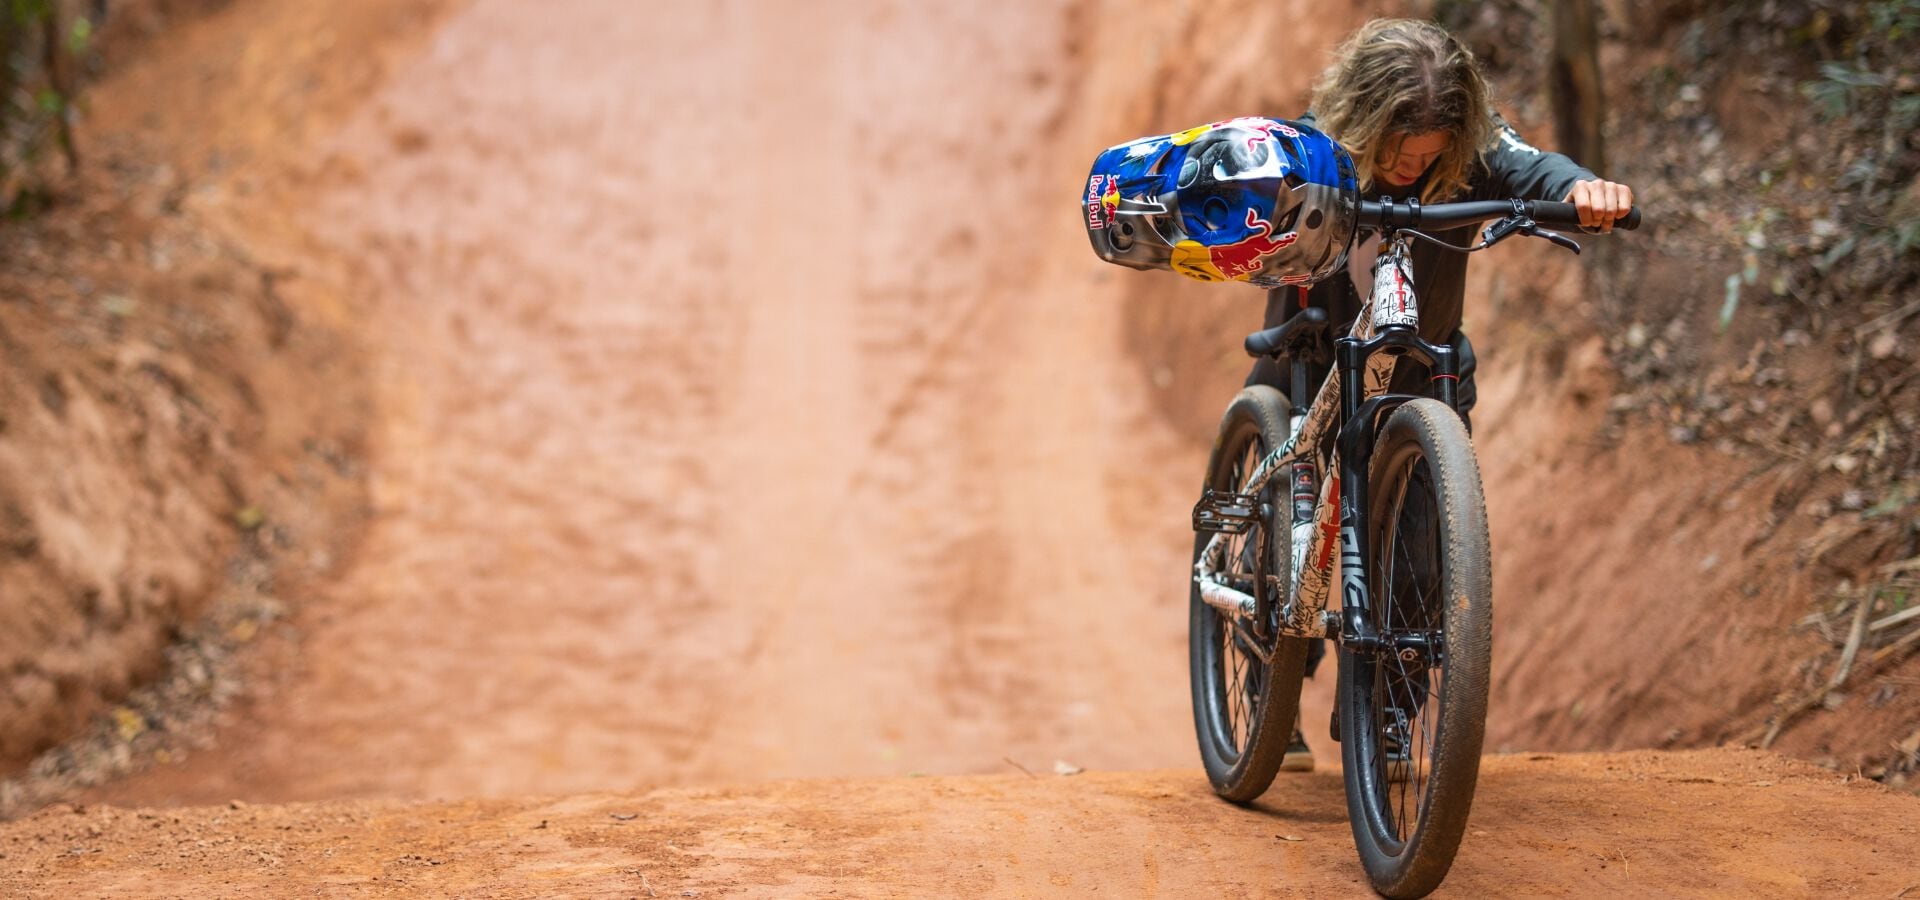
(1257, 200)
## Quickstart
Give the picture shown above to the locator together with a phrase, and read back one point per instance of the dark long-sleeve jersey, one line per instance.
(1510, 168)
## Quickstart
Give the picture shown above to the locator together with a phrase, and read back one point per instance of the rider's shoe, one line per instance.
(1298, 758)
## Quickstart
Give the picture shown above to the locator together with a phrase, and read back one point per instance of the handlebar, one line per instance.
(1441, 216)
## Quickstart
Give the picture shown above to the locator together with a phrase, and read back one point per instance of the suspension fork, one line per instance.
(1356, 625)
(1355, 441)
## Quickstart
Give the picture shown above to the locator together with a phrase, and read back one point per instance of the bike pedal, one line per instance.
(1225, 512)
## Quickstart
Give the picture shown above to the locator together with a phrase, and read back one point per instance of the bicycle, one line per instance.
(1414, 630)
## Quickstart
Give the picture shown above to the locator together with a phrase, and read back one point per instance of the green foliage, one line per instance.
(1836, 92)
(30, 12)
(38, 77)
(1871, 102)
(1883, 48)
(80, 36)
(1906, 236)
(1894, 18)
(1906, 113)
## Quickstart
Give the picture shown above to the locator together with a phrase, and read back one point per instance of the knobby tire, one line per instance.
(1430, 573)
(1243, 710)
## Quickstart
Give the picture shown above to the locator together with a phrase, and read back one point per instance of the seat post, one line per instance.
(1299, 392)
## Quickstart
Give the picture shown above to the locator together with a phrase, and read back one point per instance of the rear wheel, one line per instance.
(1243, 706)
(1412, 721)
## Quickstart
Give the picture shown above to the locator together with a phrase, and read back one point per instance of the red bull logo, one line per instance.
(1103, 198)
(1242, 258)
(1230, 262)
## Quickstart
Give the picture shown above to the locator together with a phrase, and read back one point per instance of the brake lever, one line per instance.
(1532, 230)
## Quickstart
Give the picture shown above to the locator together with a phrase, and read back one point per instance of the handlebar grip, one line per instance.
(1565, 216)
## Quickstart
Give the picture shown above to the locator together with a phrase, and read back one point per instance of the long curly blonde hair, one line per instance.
(1406, 77)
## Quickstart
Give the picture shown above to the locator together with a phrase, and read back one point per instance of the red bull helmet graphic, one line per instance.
(1257, 200)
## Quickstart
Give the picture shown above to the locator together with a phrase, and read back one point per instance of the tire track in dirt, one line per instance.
(557, 487)
(907, 603)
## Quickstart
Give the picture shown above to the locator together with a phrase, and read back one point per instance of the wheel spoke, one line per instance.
(1408, 589)
(1236, 714)
(1242, 688)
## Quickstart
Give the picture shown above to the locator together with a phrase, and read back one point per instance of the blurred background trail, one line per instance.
(730, 431)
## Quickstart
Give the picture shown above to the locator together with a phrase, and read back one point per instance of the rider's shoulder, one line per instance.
(1507, 139)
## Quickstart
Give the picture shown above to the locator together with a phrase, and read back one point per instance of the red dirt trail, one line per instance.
(720, 435)
(746, 415)
(1717, 823)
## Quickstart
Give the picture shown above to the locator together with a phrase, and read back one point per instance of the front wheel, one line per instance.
(1243, 707)
(1412, 720)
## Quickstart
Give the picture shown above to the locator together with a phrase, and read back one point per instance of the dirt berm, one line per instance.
(744, 406)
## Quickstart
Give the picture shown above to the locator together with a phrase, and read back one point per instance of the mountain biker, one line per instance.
(1408, 101)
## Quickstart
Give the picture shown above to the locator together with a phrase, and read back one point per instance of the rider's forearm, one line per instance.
(1519, 169)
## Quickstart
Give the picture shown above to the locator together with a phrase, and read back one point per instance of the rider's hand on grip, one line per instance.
(1566, 216)
(1600, 203)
